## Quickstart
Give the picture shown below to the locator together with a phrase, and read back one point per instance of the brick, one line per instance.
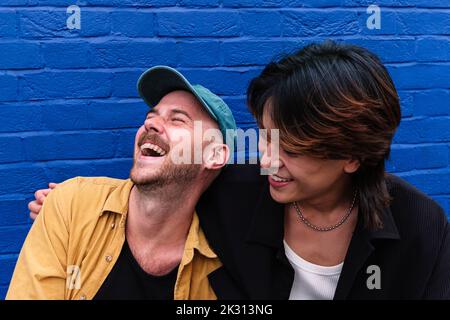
(432, 3)
(18, 2)
(11, 149)
(133, 24)
(61, 146)
(53, 24)
(406, 158)
(113, 115)
(125, 84)
(20, 55)
(7, 265)
(65, 3)
(397, 3)
(199, 3)
(63, 170)
(92, 115)
(241, 114)
(431, 76)
(424, 22)
(3, 291)
(319, 23)
(253, 20)
(42, 24)
(84, 84)
(198, 24)
(223, 82)
(66, 55)
(242, 3)
(280, 3)
(95, 23)
(16, 118)
(432, 103)
(389, 22)
(24, 178)
(14, 211)
(242, 53)
(423, 130)
(432, 49)
(133, 54)
(65, 116)
(430, 182)
(8, 24)
(9, 85)
(133, 3)
(125, 145)
(389, 51)
(406, 103)
(198, 54)
(12, 238)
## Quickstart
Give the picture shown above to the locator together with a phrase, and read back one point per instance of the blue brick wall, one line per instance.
(68, 103)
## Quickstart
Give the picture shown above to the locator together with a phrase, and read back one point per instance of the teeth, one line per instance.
(278, 179)
(153, 147)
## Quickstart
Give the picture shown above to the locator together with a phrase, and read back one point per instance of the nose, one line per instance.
(154, 124)
(270, 158)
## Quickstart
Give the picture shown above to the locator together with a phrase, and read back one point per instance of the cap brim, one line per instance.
(158, 81)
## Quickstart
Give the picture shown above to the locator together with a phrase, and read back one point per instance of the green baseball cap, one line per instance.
(158, 81)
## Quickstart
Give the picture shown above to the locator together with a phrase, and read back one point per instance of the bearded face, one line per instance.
(153, 166)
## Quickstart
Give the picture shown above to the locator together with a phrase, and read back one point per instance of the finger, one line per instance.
(34, 207)
(52, 185)
(45, 192)
(33, 215)
(41, 194)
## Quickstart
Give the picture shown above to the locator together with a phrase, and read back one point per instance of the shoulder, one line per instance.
(410, 202)
(234, 188)
(82, 197)
(417, 216)
(231, 197)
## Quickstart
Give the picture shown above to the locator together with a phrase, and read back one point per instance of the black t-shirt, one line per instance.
(127, 280)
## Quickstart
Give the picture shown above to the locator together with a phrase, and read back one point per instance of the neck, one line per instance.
(161, 217)
(331, 202)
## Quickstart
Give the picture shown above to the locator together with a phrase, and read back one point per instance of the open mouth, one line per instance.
(152, 150)
(279, 179)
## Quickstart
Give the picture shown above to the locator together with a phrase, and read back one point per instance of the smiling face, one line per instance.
(301, 177)
(168, 124)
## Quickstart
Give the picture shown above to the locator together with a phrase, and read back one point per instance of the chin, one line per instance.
(141, 178)
(280, 197)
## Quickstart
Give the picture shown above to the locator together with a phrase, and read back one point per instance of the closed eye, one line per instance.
(178, 120)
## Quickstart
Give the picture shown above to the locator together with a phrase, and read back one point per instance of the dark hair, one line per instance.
(334, 101)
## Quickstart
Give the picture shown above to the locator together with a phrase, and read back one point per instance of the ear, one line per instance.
(216, 155)
(351, 165)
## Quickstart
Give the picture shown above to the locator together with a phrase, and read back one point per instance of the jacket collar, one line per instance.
(117, 200)
(361, 247)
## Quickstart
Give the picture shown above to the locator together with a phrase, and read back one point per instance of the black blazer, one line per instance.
(245, 228)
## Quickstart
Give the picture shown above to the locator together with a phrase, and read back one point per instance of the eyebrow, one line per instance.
(181, 112)
(173, 111)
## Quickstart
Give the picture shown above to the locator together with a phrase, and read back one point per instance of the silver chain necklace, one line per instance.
(317, 228)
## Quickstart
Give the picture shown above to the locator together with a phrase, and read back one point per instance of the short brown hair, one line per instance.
(334, 101)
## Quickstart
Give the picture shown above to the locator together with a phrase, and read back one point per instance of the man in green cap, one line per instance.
(104, 238)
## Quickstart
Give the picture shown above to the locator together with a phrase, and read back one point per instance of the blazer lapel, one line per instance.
(360, 249)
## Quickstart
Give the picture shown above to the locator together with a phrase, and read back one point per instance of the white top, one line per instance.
(312, 281)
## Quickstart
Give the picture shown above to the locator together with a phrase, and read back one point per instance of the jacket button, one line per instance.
(108, 258)
(83, 297)
(113, 225)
